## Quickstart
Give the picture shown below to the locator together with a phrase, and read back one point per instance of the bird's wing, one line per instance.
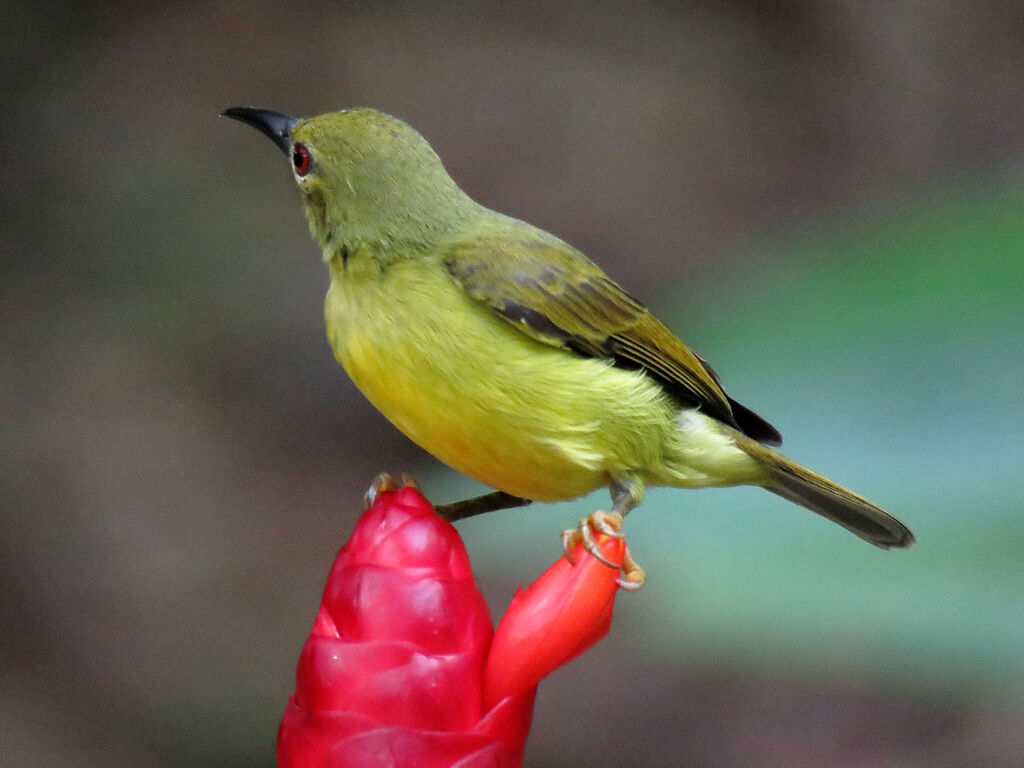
(556, 295)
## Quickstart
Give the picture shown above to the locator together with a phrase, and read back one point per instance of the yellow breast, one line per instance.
(482, 397)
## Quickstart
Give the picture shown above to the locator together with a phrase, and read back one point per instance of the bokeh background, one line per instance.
(825, 199)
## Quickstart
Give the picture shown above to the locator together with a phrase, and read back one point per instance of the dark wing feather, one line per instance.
(554, 294)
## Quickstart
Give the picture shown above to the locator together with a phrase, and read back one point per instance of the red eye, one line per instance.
(301, 159)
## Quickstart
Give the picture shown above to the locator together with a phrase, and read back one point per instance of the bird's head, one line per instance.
(364, 176)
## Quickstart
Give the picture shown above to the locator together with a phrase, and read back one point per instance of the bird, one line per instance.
(508, 354)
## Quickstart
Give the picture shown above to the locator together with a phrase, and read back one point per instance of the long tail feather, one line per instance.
(819, 494)
(800, 485)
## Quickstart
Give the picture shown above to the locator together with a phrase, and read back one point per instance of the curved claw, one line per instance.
(630, 586)
(632, 578)
(584, 534)
(382, 482)
(608, 524)
(590, 543)
(568, 539)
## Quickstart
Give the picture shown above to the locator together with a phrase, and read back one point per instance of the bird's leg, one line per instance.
(627, 493)
(460, 510)
(478, 505)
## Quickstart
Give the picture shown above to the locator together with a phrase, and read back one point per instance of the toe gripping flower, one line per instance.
(402, 667)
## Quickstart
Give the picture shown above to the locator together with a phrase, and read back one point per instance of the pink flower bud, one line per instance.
(558, 617)
(393, 673)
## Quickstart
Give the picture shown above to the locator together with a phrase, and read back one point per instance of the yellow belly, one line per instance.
(518, 415)
(482, 397)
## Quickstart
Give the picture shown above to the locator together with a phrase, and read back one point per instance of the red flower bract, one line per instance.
(399, 668)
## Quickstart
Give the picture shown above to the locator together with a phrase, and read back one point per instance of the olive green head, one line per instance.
(364, 175)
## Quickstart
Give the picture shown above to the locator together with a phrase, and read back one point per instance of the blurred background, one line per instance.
(826, 200)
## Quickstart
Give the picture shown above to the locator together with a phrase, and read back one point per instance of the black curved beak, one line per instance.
(276, 126)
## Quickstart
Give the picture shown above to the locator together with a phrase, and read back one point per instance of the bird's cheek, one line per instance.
(316, 206)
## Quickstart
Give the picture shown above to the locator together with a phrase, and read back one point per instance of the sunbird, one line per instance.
(505, 352)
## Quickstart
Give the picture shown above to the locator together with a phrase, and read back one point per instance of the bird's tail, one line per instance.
(800, 485)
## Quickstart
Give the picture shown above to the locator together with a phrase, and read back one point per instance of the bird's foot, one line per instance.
(385, 482)
(382, 482)
(632, 578)
(609, 524)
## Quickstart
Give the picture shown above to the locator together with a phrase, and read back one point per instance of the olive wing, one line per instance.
(556, 295)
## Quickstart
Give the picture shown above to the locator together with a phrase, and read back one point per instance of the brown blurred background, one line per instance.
(181, 457)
